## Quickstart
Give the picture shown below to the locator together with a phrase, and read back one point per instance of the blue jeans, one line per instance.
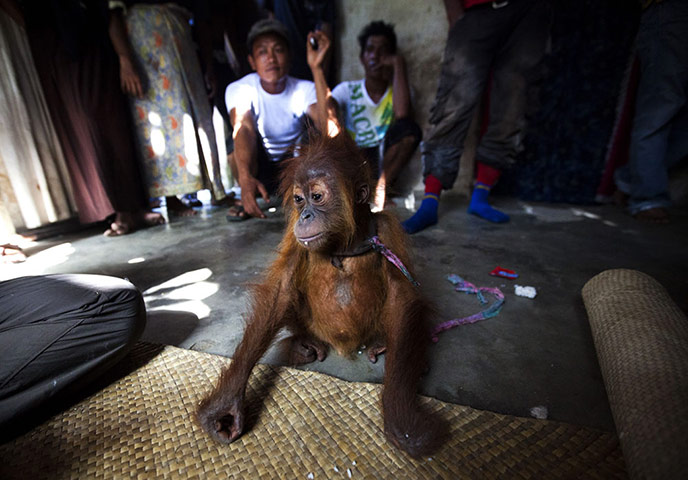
(508, 42)
(659, 138)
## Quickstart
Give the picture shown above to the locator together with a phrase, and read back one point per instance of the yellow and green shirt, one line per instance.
(367, 122)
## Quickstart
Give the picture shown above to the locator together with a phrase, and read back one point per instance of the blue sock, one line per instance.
(425, 216)
(481, 208)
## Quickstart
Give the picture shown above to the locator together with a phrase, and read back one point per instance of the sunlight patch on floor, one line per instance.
(184, 292)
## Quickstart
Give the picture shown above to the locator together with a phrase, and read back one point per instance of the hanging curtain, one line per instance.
(34, 182)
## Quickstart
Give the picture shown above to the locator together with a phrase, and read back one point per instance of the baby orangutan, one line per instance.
(331, 287)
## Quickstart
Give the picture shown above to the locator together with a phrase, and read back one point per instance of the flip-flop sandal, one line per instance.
(237, 214)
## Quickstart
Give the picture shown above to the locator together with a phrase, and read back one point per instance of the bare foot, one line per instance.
(227, 200)
(123, 224)
(653, 215)
(126, 222)
(176, 207)
(117, 229)
(150, 219)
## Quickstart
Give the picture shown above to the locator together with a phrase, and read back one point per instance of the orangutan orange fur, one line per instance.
(328, 293)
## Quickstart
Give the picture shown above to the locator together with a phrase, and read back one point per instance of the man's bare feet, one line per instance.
(176, 207)
(117, 229)
(149, 219)
(126, 222)
(653, 215)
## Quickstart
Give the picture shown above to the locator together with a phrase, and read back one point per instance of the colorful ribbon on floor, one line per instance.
(467, 287)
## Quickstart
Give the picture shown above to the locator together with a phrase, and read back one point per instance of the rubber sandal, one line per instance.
(239, 214)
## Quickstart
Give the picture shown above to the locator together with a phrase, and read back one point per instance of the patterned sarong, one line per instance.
(173, 121)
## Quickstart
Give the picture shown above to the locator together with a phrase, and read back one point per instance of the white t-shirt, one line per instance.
(280, 118)
(366, 121)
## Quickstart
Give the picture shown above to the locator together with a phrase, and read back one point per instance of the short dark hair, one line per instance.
(378, 27)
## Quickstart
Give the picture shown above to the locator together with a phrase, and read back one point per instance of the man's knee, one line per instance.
(405, 131)
(134, 309)
(121, 302)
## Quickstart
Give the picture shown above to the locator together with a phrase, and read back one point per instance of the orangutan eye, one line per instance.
(298, 199)
(316, 197)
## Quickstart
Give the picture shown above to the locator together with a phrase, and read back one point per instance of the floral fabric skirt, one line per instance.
(173, 120)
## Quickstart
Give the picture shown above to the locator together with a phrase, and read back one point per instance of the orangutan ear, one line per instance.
(363, 193)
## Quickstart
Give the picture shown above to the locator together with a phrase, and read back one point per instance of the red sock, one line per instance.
(486, 175)
(432, 185)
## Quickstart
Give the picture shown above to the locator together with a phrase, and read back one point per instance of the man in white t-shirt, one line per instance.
(270, 111)
(376, 110)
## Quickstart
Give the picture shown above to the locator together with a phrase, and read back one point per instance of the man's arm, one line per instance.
(324, 113)
(400, 87)
(245, 158)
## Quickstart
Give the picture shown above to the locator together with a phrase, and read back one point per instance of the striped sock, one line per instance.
(481, 208)
(426, 215)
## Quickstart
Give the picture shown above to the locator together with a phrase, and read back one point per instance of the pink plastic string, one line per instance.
(467, 287)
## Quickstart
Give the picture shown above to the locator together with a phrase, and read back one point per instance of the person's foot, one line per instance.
(149, 219)
(237, 213)
(176, 207)
(482, 209)
(117, 229)
(425, 217)
(653, 215)
(126, 222)
(228, 199)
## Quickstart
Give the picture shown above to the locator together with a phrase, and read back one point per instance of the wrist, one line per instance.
(125, 59)
(316, 68)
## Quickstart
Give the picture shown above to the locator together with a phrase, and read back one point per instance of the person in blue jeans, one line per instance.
(659, 138)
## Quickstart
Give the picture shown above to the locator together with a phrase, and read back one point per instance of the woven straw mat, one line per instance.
(301, 425)
(641, 338)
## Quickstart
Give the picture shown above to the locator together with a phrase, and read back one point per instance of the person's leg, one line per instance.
(485, 179)
(264, 170)
(662, 94)
(177, 207)
(401, 141)
(57, 332)
(516, 71)
(677, 149)
(465, 69)
(426, 215)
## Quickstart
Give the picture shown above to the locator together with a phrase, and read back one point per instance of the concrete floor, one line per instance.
(194, 271)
